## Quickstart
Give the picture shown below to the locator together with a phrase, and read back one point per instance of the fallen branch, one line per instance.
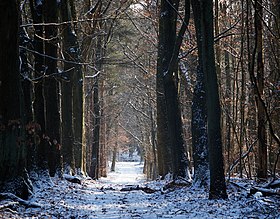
(264, 191)
(137, 187)
(244, 155)
(273, 183)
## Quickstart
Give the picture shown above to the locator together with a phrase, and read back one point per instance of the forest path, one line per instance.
(105, 199)
(126, 173)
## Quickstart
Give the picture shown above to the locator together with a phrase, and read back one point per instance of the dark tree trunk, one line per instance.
(103, 149)
(51, 86)
(95, 159)
(12, 144)
(199, 114)
(27, 99)
(77, 89)
(25, 77)
(167, 36)
(94, 170)
(163, 143)
(169, 46)
(261, 124)
(203, 12)
(67, 94)
(199, 133)
(115, 149)
(38, 103)
(72, 96)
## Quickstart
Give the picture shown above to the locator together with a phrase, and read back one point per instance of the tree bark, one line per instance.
(261, 124)
(12, 142)
(51, 86)
(199, 114)
(217, 179)
(69, 49)
(39, 103)
(77, 97)
(169, 46)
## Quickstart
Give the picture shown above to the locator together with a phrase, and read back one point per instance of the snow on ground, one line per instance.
(126, 173)
(103, 199)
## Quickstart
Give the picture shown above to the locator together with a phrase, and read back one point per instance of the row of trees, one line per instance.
(185, 83)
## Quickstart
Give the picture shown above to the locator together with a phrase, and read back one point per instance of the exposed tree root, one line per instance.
(10, 196)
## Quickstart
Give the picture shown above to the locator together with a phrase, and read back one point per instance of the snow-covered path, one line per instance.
(104, 199)
(126, 173)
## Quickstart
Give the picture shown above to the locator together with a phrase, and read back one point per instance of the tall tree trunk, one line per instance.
(217, 177)
(27, 100)
(199, 114)
(51, 86)
(103, 149)
(96, 132)
(39, 103)
(163, 142)
(26, 76)
(169, 46)
(77, 98)
(261, 125)
(69, 50)
(199, 133)
(95, 165)
(12, 144)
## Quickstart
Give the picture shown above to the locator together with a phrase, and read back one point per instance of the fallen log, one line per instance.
(177, 184)
(72, 179)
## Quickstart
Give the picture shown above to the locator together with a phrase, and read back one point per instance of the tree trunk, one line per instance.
(103, 148)
(39, 103)
(12, 142)
(199, 133)
(217, 179)
(66, 89)
(51, 85)
(199, 114)
(96, 132)
(77, 98)
(163, 143)
(95, 165)
(115, 149)
(261, 125)
(169, 46)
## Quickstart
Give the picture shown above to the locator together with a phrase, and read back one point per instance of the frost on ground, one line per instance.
(104, 199)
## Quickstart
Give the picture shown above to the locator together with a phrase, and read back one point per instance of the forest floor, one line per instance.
(126, 194)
